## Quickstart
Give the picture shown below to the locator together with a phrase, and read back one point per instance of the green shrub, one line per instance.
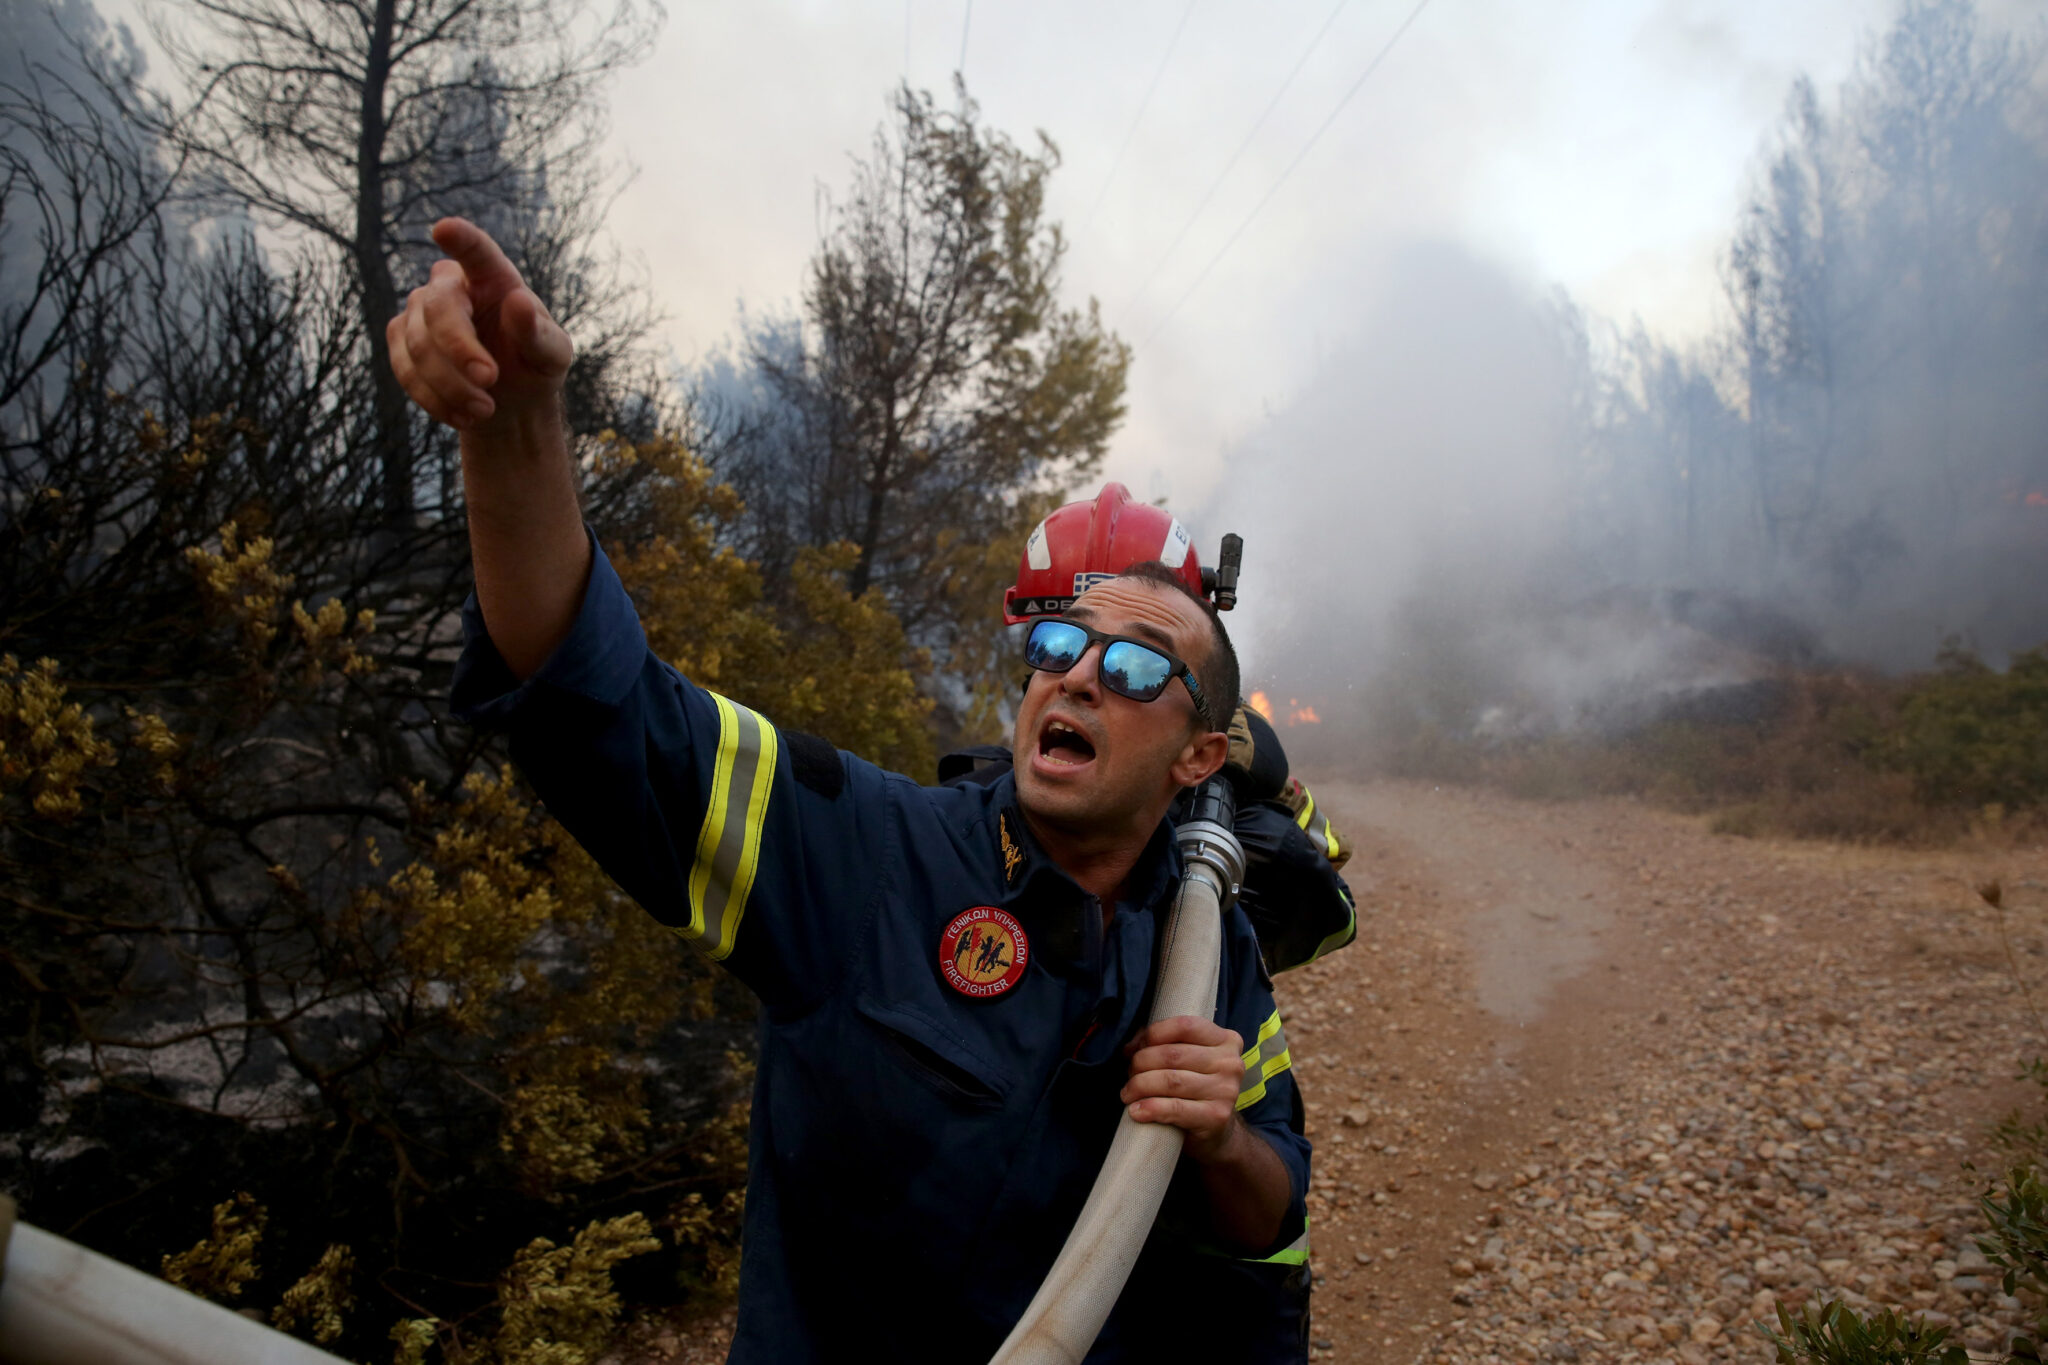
(1835, 1334)
(1842, 755)
(1970, 736)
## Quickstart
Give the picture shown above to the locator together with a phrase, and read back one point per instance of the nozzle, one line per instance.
(1226, 571)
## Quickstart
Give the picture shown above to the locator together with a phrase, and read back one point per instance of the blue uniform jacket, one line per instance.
(917, 1154)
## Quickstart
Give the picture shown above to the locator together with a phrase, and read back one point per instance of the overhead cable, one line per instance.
(1143, 104)
(1159, 261)
(1307, 147)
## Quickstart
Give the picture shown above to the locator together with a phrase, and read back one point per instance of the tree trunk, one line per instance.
(878, 503)
(373, 274)
(870, 537)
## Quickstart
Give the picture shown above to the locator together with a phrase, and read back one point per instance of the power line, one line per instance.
(1138, 118)
(1307, 147)
(1159, 262)
(965, 20)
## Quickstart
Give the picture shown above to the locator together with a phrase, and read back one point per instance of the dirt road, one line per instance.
(1595, 1084)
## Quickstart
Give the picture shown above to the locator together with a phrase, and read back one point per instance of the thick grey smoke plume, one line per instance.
(1487, 514)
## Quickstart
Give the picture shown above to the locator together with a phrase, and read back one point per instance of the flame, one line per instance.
(2037, 499)
(1297, 714)
(1257, 701)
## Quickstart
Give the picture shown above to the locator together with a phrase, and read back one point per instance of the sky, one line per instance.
(1601, 146)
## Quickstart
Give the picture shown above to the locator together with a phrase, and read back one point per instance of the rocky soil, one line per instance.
(1595, 1084)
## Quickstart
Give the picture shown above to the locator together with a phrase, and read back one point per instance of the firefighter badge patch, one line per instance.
(983, 952)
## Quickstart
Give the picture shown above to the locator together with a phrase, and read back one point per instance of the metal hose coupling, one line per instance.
(1205, 838)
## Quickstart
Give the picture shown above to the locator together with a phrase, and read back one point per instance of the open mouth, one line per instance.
(1061, 745)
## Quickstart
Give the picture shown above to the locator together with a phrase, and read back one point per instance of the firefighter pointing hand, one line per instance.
(927, 1118)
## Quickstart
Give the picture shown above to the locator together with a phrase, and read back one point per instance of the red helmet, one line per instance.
(1085, 543)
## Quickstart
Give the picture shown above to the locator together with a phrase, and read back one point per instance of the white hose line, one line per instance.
(63, 1305)
(1068, 1311)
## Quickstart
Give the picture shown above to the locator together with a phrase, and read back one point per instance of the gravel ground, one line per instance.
(1747, 1073)
(1598, 1085)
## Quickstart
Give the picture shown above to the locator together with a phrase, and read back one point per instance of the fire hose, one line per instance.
(1067, 1313)
(61, 1305)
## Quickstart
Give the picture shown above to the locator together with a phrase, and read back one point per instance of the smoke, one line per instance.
(1417, 517)
(1487, 514)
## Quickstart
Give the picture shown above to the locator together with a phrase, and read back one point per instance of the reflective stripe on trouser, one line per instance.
(1264, 1059)
(729, 844)
(1294, 1253)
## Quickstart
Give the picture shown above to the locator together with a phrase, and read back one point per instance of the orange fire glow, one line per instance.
(1257, 701)
(2037, 499)
(1297, 714)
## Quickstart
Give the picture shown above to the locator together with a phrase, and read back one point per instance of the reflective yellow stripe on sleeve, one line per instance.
(729, 844)
(1338, 939)
(1264, 1059)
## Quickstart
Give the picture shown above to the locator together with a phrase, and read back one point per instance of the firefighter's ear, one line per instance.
(1201, 758)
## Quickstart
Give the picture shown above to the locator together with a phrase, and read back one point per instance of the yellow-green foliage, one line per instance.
(555, 1304)
(558, 1305)
(46, 742)
(710, 1227)
(240, 583)
(840, 667)
(557, 1136)
(220, 1264)
(844, 671)
(238, 580)
(313, 1307)
(412, 1338)
(498, 887)
(153, 736)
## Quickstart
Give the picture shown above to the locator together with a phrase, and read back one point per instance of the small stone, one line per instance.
(1362, 1257)
(1356, 1117)
(1812, 1122)
(1705, 1330)
(1463, 1268)
(1485, 1182)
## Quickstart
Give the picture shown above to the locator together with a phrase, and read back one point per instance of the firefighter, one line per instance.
(927, 1119)
(1298, 905)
